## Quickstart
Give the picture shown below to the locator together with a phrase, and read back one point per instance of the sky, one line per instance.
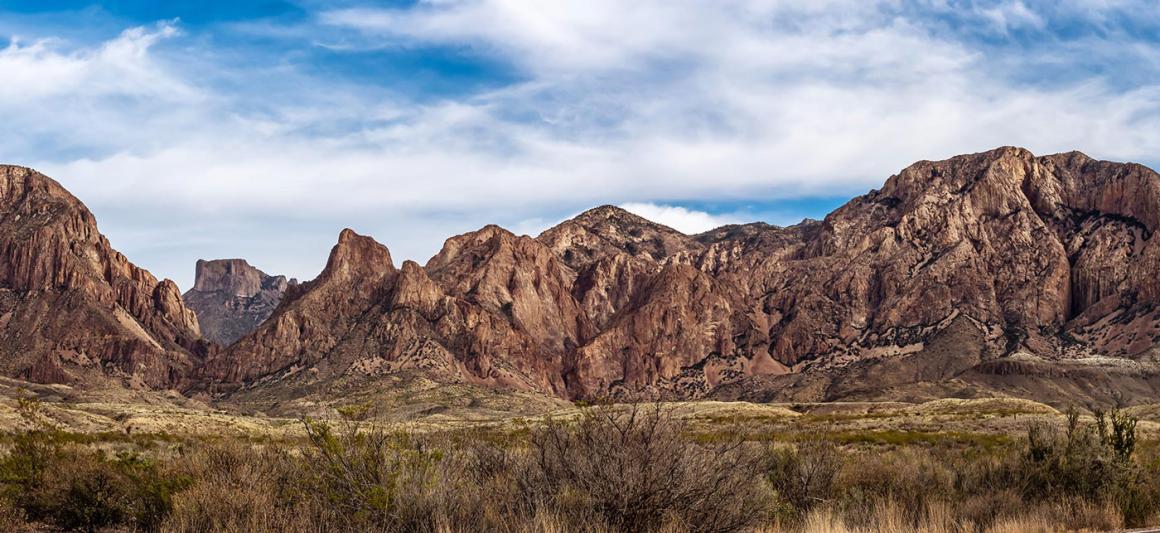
(212, 129)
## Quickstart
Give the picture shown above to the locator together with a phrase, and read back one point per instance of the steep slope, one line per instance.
(997, 236)
(607, 231)
(1046, 257)
(1105, 215)
(516, 277)
(939, 238)
(362, 320)
(667, 340)
(73, 309)
(613, 253)
(314, 317)
(1007, 240)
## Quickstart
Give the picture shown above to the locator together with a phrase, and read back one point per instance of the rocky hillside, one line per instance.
(954, 277)
(230, 298)
(364, 319)
(998, 272)
(73, 309)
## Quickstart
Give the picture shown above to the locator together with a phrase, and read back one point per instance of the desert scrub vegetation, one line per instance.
(1081, 476)
(607, 470)
(612, 468)
(47, 478)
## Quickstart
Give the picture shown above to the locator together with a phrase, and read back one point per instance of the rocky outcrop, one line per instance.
(73, 309)
(609, 231)
(1046, 255)
(362, 319)
(230, 298)
(677, 325)
(517, 278)
(313, 317)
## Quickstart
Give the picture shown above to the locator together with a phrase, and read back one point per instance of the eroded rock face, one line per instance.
(517, 278)
(362, 319)
(230, 298)
(1045, 255)
(73, 309)
(609, 231)
(313, 317)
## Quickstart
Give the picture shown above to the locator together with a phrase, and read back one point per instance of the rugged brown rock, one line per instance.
(363, 319)
(608, 231)
(230, 298)
(1047, 257)
(72, 309)
(517, 278)
(991, 273)
(950, 267)
(314, 317)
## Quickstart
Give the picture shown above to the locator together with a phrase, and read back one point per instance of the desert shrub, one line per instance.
(909, 479)
(241, 489)
(804, 476)
(610, 470)
(1092, 463)
(76, 488)
(372, 478)
(12, 518)
(613, 468)
(344, 479)
(494, 493)
(1079, 478)
(637, 470)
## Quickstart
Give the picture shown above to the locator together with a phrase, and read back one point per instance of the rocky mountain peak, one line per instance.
(515, 277)
(609, 230)
(482, 242)
(1001, 171)
(231, 298)
(612, 213)
(357, 256)
(416, 291)
(232, 276)
(73, 309)
(936, 282)
(616, 218)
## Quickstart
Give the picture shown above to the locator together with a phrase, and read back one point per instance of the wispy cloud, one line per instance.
(94, 99)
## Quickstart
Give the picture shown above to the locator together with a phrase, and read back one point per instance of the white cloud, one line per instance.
(120, 66)
(111, 97)
(643, 104)
(685, 220)
(1008, 15)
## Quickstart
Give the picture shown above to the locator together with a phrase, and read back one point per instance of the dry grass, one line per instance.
(950, 465)
(418, 405)
(891, 517)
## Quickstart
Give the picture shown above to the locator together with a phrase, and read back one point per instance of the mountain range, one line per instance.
(997, 273)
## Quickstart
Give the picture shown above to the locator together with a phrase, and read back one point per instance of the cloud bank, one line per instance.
(188, 144)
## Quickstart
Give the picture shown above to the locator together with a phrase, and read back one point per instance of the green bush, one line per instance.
(1093, 462)
(371, 478)
(76, 488)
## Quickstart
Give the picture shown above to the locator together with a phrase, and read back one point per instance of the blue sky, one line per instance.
(199, 129)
